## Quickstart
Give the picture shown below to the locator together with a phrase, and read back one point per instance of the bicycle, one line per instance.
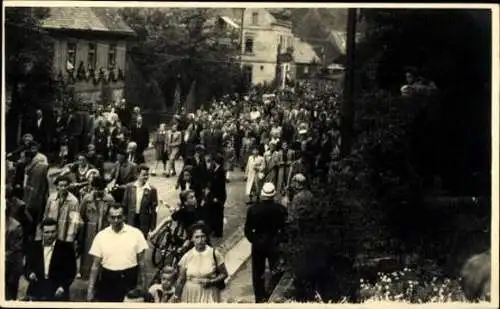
(167, 247)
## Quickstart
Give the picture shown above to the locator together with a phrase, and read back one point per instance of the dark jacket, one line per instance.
(62, 270)
(147, 213)
(273, 215)
(199, 174)
(217, 185)
(213, 141)
(140, 136)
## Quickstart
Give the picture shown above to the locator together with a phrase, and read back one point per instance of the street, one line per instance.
(235, 249)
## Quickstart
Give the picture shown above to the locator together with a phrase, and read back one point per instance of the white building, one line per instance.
(265, 36)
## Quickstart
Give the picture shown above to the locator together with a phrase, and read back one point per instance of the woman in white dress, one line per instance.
(201, 270)
(254, 173)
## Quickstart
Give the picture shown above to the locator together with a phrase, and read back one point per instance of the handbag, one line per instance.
(221, 285)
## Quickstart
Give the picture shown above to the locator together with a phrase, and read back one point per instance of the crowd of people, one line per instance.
(96, 224)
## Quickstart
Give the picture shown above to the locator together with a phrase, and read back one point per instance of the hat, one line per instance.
(268, 190)
(299, 178)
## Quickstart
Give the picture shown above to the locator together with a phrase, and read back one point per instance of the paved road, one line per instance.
(239, 288)
(234, 213)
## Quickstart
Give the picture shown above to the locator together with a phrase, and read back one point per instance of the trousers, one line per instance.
(261, 253)
(113, 285)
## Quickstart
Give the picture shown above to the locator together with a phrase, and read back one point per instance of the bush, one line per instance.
(411, 286)
(370, 207)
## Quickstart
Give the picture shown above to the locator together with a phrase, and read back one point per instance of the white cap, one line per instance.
(268, 190)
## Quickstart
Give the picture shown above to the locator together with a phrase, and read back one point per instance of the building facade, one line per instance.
(270, 52)
(90, 46)
(264, 37)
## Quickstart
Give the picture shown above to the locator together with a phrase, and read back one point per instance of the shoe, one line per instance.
(153, 173)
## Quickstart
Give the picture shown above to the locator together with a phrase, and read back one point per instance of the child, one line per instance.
(163, 291)
(137, 296)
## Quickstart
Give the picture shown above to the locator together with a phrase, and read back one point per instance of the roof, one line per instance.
(232, 17)
(303, 52)
(87, 19)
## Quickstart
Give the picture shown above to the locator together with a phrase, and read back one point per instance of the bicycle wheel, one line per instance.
(160, 248)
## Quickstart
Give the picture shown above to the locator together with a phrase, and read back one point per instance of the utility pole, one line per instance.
(347, 110)
(242, 49)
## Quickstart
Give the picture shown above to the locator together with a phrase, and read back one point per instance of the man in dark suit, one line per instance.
(216, 197)
(140, 135)
(140, 200)
(265, 238)
(198, 172)
(190, 138)
(50, 266)
(133, 155)
(124, 172)
(213, 140)
(75, 126)
(35, 184)
(57, 131)
(40, 129)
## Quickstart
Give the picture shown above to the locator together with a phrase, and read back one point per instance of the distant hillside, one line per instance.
(331, 19)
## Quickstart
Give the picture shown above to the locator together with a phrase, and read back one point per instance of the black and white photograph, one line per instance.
(247, 153)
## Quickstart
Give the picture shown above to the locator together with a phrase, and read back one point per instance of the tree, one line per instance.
(29, 56)
(452, 48)
(180, 43)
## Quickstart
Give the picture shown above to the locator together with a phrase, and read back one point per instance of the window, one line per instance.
(92, 56)
(249, 44)
(262, 68)
(306, 70)
(255, 18)
(280, 44)
(71, 56)
(112, 56)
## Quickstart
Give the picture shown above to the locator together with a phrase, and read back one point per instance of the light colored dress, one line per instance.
(200, 265)
(255, 173)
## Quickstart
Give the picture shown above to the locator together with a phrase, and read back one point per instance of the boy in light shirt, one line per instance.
(163, 291)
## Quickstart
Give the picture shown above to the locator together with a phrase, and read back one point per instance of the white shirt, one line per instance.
(139, 193)
(188, 185)
(118, 250)
(254, 115)
(39, 122)
(47, 257)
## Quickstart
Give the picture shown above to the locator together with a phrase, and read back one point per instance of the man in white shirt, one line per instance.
(118, 252)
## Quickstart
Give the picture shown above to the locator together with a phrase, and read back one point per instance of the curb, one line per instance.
(231, 243)
(285, 283)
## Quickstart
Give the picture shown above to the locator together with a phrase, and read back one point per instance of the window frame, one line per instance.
(255, 18)
(249, 37)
